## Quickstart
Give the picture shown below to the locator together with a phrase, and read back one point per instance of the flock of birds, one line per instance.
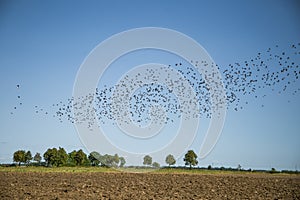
(270, 71)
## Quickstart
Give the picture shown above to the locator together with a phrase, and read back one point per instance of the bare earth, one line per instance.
(57, 185)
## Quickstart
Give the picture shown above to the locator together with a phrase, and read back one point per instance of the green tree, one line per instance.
(273, 170)
(156, 165)
(147, 160)
(190, 158)
(108, 160)
(94, 158)
(122, 161)
(170, 160)
(116, 160)
(103, 160)
(20, 156)
(71, 158)
(80, 157)
(50, 156)
(37, 157)
(61, 157)
(239, 167)
(54, 157)
(28, 157)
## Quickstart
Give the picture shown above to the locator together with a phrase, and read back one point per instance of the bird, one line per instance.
(267, 72)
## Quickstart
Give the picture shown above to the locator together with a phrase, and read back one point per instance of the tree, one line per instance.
(28, 157)
(239, 167)
(147, 160)
(54, 157)
(273, 170)
(190, 158)
(49, 156)
(94, 158)
(116, 160)
(170, 160)
(37, 157)
(71, 158)
(105, 160)
(122, 161)
(80, 157)
(109, 160)
(62, 157)
(20, 156)
(156, 165)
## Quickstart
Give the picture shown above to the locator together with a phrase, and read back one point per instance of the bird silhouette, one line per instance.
(269, 71)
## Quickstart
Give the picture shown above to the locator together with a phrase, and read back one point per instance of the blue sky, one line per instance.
(42, 45)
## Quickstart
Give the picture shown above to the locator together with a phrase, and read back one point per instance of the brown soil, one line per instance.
(35, 185)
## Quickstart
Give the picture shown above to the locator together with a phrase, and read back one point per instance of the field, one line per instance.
(101, 183)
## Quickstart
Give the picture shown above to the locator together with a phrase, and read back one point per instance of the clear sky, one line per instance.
(43, 43)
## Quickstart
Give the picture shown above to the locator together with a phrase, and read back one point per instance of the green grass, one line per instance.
(110, 170)
(56, 169)
(128, 170)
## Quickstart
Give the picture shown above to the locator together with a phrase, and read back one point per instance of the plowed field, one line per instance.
(97, 185)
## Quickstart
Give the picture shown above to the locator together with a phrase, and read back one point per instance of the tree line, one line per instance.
(59, 157)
